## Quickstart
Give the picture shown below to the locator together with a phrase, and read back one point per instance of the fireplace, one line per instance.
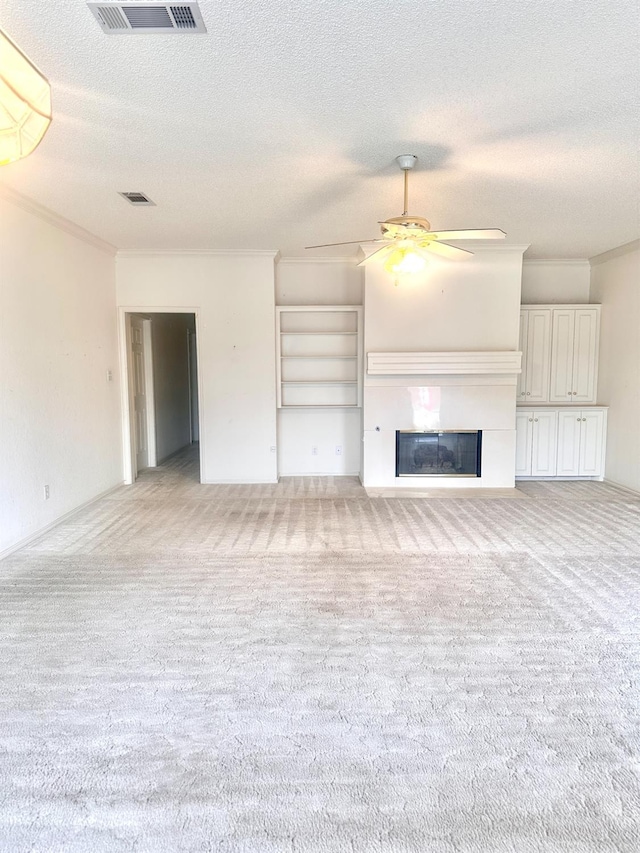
(438, 454)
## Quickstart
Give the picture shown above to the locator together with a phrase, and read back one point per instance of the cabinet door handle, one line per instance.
(584, 419)
(574, 393)
(530, 420)
(536, 420)
(528, 393)
(522, 393)
(578, 419)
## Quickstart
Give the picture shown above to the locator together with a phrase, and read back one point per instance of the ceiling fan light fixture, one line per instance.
(25, 103)
(405, 260)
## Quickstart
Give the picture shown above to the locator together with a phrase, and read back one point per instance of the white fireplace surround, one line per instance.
(433, 391)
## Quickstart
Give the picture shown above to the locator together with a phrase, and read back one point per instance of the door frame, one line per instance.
(125, 386)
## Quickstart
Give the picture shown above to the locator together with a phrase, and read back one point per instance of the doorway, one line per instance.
(162, 416)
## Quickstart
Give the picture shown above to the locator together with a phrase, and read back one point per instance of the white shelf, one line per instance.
(319, 361)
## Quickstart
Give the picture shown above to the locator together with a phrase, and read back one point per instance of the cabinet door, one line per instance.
(544, 455)
(538, 340)
(569, 423)
(562, 334)
(591, 443)
(585, 355)
(521, 390)
(524, 433)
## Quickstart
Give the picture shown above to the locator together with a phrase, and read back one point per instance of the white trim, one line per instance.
(633, 492)
(443, 363)
(618, 252)
(564, 262)
(149, 393)
(239, 482)
(127, 450)
(535, 306)
(177, 253)
(53, 218)
(314, 259)
(33, 536)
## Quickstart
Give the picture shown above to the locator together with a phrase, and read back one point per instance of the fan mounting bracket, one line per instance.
(406, 161)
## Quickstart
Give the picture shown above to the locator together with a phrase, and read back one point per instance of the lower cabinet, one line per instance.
(560, 442)
(536, 433)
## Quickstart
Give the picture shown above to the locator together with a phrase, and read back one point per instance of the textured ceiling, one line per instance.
(279, 128)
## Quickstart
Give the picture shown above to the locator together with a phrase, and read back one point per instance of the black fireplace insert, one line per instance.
(438, 454)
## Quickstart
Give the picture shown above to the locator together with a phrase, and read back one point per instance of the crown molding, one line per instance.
(353, 259)
(53, 218)
(555, 262)
(178, 253)
(618, 252)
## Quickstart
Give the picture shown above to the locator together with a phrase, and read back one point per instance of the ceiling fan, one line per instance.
(408, 238)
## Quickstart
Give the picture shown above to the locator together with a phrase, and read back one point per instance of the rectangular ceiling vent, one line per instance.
(142, 16)
(138, 199)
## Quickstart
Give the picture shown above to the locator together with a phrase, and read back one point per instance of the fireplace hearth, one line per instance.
(438, 454)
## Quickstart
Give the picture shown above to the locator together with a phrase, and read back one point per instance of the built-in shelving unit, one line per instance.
(319, 362)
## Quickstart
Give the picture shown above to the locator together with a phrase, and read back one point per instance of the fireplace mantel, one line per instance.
(443, 363)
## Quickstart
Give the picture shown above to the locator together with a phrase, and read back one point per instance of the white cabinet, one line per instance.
(319, 363)
(574, 355)
(581, 446)
(567, 442)
(535, 345)
(559, 346)
(536, 433)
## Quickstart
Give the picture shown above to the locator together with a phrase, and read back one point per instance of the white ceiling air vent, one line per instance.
(138, 199)
(142, 16)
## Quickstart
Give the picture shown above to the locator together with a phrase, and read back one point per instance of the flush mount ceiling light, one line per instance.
(408, 238)
(25, 103)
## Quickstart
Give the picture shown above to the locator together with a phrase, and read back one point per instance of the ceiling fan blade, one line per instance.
(451, 252)
(379, 254)
(469, 234)
(346, 243)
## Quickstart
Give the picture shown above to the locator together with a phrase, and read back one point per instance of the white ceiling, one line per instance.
(278, 129)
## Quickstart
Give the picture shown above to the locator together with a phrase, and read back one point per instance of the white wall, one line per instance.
(615, 283)
(171, 382)
(60, 415)
(465, 305)
(555, 281)
(233, 298)
(313, 281)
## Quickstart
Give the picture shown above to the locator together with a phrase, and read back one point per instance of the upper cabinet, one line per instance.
(535, 344)
(559, 354)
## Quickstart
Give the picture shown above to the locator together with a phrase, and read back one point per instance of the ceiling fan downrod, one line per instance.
(406, 163)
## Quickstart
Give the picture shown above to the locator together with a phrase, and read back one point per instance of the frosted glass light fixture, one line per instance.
(25, 103)
(405, 260)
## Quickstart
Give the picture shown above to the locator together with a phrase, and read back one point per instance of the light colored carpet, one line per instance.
(302, 669)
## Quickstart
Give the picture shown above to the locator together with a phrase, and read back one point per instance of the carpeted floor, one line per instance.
(301, 668)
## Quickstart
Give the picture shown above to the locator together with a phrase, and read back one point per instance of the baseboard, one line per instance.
(620, 486)
(238, 482)
(33, 536)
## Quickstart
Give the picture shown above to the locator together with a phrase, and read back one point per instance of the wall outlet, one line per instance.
(46, 493)
(272, 449)
(314, 451)
(109, 375)
(338, 450)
